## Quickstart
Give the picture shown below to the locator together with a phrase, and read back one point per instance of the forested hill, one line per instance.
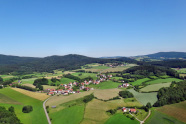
(10, 60)
(168, 55)
(22, 65)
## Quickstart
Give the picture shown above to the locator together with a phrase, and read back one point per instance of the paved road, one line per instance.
(48, 118)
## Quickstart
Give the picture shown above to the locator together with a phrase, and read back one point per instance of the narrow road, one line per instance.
(48, 118)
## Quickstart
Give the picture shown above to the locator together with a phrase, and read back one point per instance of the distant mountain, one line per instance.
(168, 55)
(22, 65)
(111, 57)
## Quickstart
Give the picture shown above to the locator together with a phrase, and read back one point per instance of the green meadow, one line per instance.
(84, 75)
(120, 119)
(163, 80)
(154, 87)
(70, 115)
(144, 98)
(18, 100)
(160, 118)
(140, 81)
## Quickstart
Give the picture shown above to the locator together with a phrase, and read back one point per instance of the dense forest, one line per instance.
(150, 70)
(168, 55)
(173, 94)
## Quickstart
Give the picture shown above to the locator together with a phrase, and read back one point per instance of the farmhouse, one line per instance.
(124, 109)
(133, 110)
(51, 93)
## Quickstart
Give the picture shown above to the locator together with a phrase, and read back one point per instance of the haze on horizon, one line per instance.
(94, 28)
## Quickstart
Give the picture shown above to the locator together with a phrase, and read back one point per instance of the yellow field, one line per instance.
(106, 93)
(39, 96)
(57, 100)
(29, 85)
(177, 110)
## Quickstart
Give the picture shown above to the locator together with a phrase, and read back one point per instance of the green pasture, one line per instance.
(154, 87)
(140, 81)
(66, 81)
(28, 81)
(144, 98)
(120, 119)
(106, 85)
(37, 116)
(160, 118)
(181, 70)
(84, 75)
(163, 80)
(70, 115)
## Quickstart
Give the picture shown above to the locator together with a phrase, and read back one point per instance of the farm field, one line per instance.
(159, 118)
(49, 87)
(163, 80)
(154, 87)
(65, 80)
(6, 77)
(57, 100)
(128, 102)
(8, 100)
(26, 118)
(181, 70)
(116, 78)
(39, 96)
(144, 98)
(70, 115)
(106, 93)
(138, 82)
(84, 75)
(120, 119)
(29, 85)
(106, 85)
(182, 74)
(177, 110)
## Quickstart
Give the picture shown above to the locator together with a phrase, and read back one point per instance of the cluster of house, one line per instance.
(132, 110)
(82, 86)
(124, 85)
(60, 91)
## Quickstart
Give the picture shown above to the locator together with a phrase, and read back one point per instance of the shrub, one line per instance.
(126, 94)
(27, 109)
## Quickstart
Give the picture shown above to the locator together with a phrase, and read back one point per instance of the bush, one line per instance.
(126, 94)
(88, 98)
(27, 109)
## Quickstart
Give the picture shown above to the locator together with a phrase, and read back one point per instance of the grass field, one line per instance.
(84, 75)
(144, 98)
(154, 87)
(106, 85)
(159, 118)
(128, 102)
(163, 81)
(106, 93)
(70, 115)
(39, 96)
(120, 119)
(28, 81)
(138, 82)
(177, 110)
(66, 80)
(116, 78)
(8, 100)
(182, 70)
(37, 116)
(182, 74)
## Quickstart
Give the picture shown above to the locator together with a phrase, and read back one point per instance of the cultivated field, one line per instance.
(154, 87)
(159, 118)
(84, 75)
(57, 100)
(120, 119)
(49, 87)
(177, 110)
(106, 93)
(163, 81)
(106, 85)
(39, 96)
(182, 70)
(128, 102)
(144, 98)
(29, 85)
(66, 80)
(182, 74)
(37, 116)
(8, 100)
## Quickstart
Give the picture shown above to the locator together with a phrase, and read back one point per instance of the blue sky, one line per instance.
(95, 28)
